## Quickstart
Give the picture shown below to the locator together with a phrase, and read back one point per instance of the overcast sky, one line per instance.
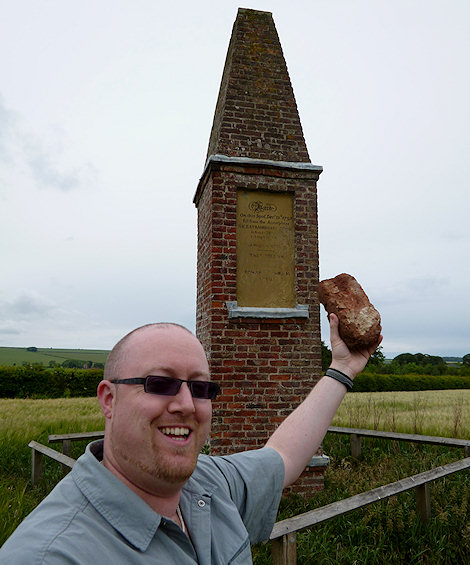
(105, 113)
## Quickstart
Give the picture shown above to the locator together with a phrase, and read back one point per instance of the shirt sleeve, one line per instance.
(254, 480)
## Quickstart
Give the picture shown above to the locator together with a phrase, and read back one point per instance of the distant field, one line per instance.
(20, 355)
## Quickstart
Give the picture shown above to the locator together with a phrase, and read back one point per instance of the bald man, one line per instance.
(145, 494)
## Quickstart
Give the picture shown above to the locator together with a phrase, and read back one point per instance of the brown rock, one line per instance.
(359, 321)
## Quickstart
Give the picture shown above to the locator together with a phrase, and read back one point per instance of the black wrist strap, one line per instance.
(340, 377)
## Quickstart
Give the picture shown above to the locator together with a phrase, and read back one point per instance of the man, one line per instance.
(144, 494)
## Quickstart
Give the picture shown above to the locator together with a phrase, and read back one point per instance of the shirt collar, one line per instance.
(123, 509)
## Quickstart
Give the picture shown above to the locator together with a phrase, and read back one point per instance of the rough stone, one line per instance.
(359, 321)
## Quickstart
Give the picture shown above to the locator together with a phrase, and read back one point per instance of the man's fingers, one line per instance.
(334, 328)
(375, 346)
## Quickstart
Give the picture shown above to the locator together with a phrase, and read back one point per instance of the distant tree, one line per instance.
(377, 358)
(421, 360)
(326, 356)
(404, 358)
(466, 360)
(72, 364)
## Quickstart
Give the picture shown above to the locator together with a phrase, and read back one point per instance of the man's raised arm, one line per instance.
(298, 438)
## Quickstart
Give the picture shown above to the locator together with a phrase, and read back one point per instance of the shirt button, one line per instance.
(201, 503)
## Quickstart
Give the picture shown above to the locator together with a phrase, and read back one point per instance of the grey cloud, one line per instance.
(44, 167)
(455, 236)
(6, 330)
(426, 284)
(413, 289)
(28, 304)
(46, 173)
(8, 125)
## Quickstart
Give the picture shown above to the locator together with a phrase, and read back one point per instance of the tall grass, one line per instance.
(437, 413)
(386, 532)
(20, 422)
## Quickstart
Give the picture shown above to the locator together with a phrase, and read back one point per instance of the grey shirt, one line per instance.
(91, 517)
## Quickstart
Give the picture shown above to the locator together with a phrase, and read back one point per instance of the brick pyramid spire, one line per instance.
(256, 114)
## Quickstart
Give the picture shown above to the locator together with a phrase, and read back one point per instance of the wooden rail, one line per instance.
(356, 435)
(67, 439)
(284, 532)
(38, 450)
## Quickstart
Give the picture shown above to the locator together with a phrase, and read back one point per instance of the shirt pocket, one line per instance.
(243, 555)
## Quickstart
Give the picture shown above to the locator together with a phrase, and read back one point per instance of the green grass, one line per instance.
(436, 413)
(385, 532)
(20, 355)
(389, 531)
(20, 422)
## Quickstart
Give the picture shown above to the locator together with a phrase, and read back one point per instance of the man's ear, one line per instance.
(106, 397)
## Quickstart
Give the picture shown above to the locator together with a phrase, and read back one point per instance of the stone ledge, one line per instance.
(235, 311)
(319, 461)
(248, 161)
(295, 165)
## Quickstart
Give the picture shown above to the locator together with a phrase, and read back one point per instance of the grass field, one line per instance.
(20, 355)
(386, 532)
(436, 413)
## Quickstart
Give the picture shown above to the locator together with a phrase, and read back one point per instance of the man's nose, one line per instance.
(183, 401)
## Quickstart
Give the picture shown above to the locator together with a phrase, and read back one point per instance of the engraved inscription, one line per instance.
(265, 249)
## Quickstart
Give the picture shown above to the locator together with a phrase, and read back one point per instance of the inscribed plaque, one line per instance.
(265, 249)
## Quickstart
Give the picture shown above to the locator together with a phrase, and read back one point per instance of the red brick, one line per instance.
(265, 367)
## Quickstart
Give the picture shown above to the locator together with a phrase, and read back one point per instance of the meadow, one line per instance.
(443, 413)
(48, 356)
(387, 532)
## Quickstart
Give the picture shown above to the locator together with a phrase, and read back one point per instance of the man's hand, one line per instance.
(349, 362)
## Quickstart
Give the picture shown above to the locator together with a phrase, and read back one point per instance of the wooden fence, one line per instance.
(356, 435)
(283, 536)
(38, 450)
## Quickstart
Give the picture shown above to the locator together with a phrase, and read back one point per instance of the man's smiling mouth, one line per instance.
(179, 433)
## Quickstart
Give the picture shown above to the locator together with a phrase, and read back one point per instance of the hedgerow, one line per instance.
(37, 382)
(59, 382)
(371, 382)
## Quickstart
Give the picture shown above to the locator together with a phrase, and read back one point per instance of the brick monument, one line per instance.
(257, 304)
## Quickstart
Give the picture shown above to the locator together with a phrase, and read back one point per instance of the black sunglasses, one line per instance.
(169, 386)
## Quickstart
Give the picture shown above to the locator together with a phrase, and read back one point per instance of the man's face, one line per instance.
(153, 441)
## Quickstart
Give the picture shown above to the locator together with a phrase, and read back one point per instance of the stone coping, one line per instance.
(235, 311)
(225, 159)
(319, 461)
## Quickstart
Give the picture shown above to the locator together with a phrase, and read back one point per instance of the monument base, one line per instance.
(311, 480)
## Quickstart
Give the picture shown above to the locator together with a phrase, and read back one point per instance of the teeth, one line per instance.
(176, 431)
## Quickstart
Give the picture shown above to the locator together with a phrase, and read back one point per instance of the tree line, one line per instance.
(407, 363)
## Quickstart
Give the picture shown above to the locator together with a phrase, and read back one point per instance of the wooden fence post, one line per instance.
(284, 550)
(36, 466)
(66, 449)
(423, 502)
(355, 446)
(66, 446)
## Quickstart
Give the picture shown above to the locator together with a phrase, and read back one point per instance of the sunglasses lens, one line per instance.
(166, 386)
(169, 386)
(204, 389)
